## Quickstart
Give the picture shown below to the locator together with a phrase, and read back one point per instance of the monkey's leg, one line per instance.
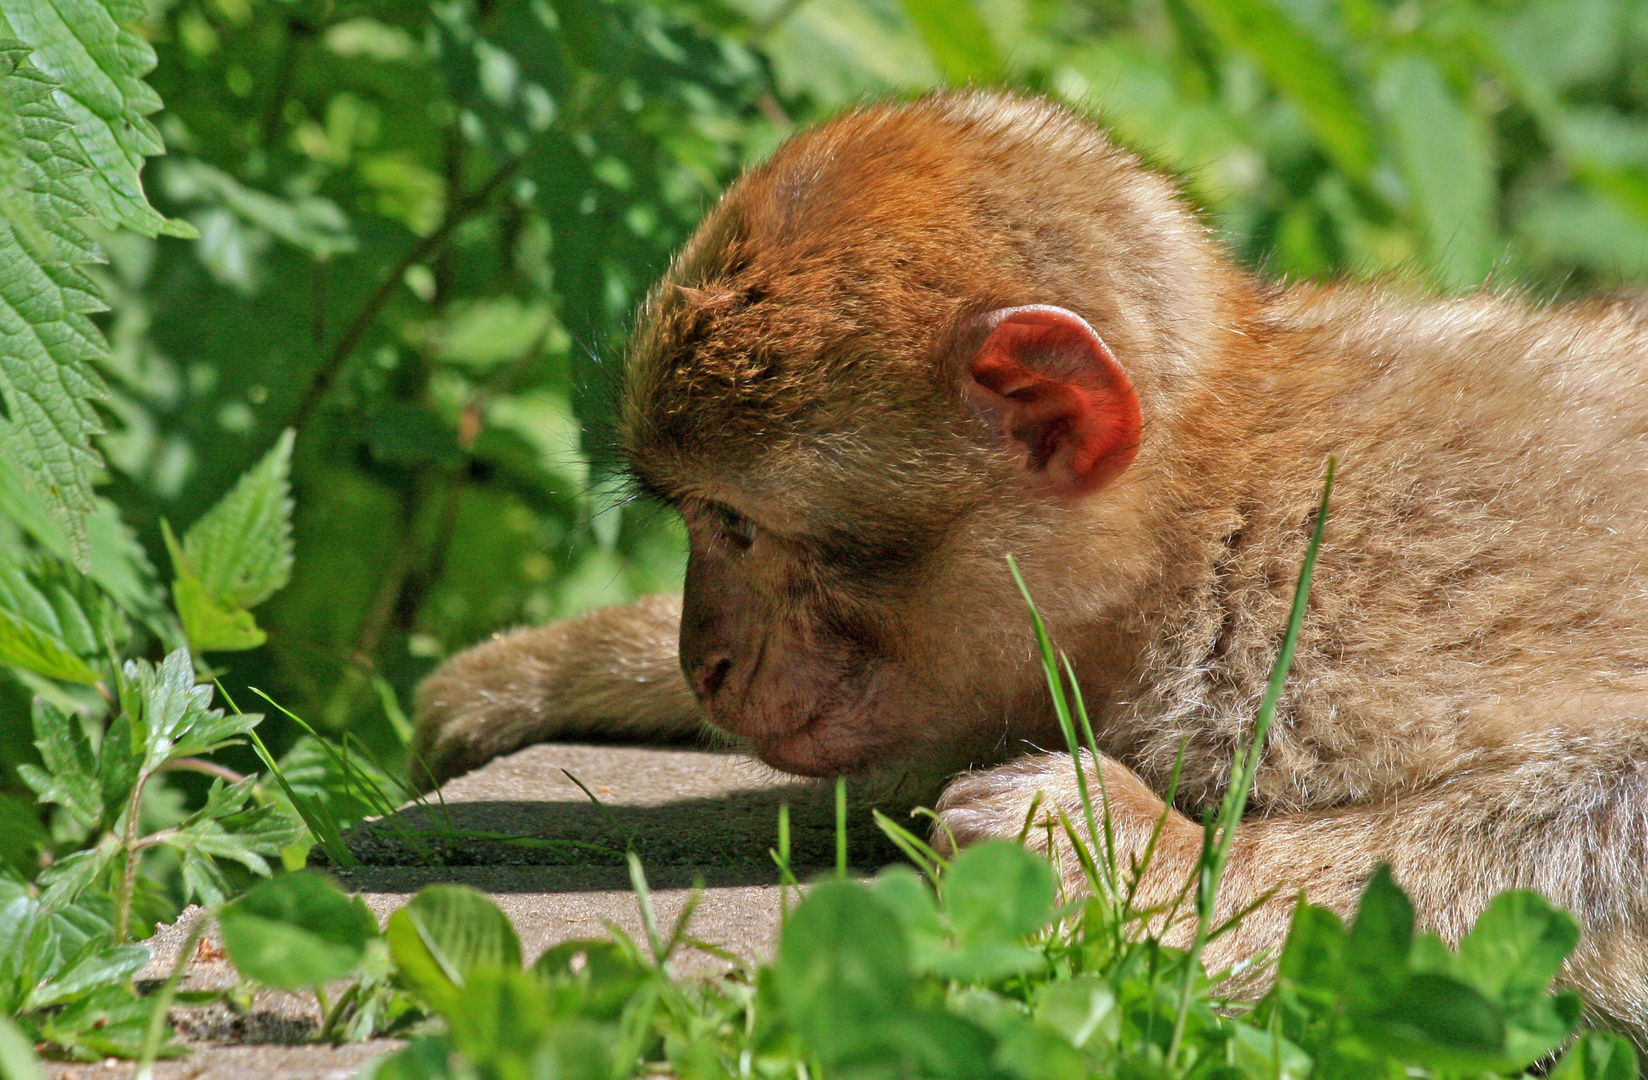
(1575, 830)
(611, 673)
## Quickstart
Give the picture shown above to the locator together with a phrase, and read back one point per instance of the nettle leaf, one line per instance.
(70, 776)
(53, 620)
(48, 345)
(99, 64)
(172, 716)
(228, 828)
(297, 930)
(236, 556)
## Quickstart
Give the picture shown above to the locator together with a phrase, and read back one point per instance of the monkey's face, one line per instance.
(845, 587)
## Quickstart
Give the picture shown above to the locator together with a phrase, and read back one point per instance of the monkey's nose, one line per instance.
(711, 676)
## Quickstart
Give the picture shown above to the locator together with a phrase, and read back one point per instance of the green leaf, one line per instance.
(227, 828)
(171, 715)
(445, 933)
(100, 65)
(53, 621)
(70, 776)
(1267, 1055)
(47, 380)
(17, 1061)
(420, 1059)
(1437, 1021)
(956, 36)
(908, 897)
(1516, 948)
(1598, 1056)
(842, 971)
(1377, 947)
(1082, 1009)
(296, 930)
(236, 556)
(1445, 151)
(309, 223)
(603, 975)
(21, 835)
(995, 894)
(98, 964)
(1301, 69)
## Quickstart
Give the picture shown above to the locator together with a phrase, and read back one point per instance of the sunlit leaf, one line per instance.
(297, 930)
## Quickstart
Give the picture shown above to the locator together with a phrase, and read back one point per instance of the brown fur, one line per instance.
(1470, 697)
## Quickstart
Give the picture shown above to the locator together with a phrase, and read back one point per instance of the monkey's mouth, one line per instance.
(828, 742)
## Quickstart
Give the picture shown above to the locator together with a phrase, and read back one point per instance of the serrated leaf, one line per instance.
(208, 623)
(70, 776)
(236, 556)
(171, 715)
(68, 877)
(225, 827)
(47, 343)
(99, 65)
(53, 621)
(98, 964)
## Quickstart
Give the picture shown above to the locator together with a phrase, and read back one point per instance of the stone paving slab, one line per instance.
(532, 839)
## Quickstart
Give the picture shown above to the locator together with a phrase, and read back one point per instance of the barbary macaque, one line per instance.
(925, 337)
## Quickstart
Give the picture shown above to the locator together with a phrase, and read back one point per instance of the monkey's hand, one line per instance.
(1034, 796)
(1154, 849)
(608, 674)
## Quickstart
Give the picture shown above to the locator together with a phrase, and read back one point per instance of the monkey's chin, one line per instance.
(817, 749)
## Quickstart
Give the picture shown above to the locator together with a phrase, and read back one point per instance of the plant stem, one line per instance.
(128, 874)
(321, 382)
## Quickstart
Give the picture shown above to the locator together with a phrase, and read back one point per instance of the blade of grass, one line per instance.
(1061, 708)
(918, 852)
(612, 819)
(643, 899)
(1222, 829)
(841, 828)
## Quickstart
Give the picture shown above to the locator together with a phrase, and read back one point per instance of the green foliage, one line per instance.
(296, 931)
(235, 557)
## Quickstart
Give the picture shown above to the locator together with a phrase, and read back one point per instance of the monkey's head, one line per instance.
(918, 340)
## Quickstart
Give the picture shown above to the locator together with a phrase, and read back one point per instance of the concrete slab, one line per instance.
(523, 831)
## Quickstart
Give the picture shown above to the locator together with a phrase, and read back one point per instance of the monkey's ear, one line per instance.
(1047, 381)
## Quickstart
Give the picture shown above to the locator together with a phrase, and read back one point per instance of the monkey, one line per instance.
(927, 336)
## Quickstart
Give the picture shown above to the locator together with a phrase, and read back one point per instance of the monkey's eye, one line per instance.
(736, 530)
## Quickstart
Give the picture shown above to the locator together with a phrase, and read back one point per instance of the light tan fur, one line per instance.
(1470, 697)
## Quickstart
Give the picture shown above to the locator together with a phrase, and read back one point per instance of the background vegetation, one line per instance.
(411, 236)
(422, 228)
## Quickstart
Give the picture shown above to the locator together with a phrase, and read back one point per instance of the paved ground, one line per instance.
(532, 839)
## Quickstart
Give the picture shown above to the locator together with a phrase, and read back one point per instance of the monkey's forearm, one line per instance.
(609, 673)
(1452, 850)
(1574, 832)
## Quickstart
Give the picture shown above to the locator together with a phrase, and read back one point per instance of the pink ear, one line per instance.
(1048, 382)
